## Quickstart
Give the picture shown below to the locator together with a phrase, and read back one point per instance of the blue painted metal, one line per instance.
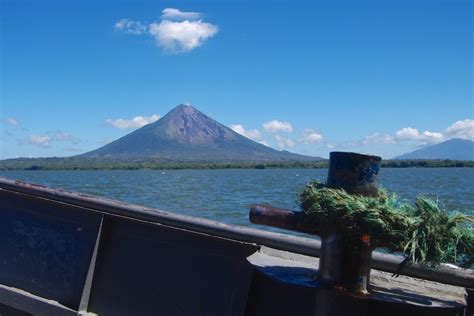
(355, 173)
(45, 247)
(140, 266)
(149, 269)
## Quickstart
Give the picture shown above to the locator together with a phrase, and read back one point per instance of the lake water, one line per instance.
(225, 195)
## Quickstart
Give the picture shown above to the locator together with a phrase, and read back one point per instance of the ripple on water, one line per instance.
(225, 195)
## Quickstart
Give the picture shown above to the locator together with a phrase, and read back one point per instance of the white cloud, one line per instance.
(330, 146)
(130, 27)
(136, 122)
(310, 136)
(461, 129)
(265, 143)
(407, 133)
(378, 138)
(284, 142)
(176, 14)
(177, 32)
(238, 128)
(12, 121)
(432, 136)
(412, 134)
(181, 37)
(40, 141)
(277, 126)
(45, 141)
(252, 134)
(61, 136)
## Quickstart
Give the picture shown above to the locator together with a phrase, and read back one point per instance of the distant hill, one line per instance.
(454, 149)
(186, 134)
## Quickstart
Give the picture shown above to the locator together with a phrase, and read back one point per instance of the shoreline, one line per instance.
(96, 164)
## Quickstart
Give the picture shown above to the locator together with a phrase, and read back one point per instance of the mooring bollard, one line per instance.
(343, 261)
(345, 256)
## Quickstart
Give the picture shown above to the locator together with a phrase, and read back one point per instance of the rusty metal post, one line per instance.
(365, 264)
(278, 217)
(343, 261)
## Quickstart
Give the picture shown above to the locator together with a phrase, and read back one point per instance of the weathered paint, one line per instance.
(43, 251)
(355, 173)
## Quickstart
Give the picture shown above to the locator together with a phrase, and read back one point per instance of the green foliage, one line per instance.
(427, 163)
(79, 163)
(333, 210)
(423, 232)
(82, 163)
(438, 236)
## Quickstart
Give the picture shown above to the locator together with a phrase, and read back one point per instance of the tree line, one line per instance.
(156, 164)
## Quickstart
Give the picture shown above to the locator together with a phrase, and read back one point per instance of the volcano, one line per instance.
(454, 149)
(186, 134)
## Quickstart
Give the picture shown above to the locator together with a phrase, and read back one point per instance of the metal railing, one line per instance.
(300, 245)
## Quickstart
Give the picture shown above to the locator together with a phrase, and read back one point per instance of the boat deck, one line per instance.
(302, 270)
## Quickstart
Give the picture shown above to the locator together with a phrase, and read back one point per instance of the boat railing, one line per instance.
(300, 245)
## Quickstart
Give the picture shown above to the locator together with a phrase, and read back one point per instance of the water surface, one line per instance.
(225, 195)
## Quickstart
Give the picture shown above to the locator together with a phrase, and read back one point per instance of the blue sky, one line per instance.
(379, 77)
